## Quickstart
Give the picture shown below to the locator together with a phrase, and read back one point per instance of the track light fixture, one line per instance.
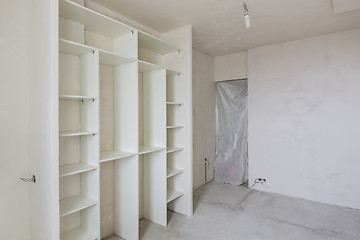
(246, 16)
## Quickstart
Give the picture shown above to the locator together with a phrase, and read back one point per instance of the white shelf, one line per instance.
(149, 149)
(171, 172)
(174, 126)
(172, 195)
(170, 72)
(75, 168)
(175, 103)
(92, 20)
(114, 155)
(154, 44)
(78, 234)
(75, 204)
(174, 149)
(69, 47)
(146, 67)
(76, 97)
(76, 133)
(113, 59)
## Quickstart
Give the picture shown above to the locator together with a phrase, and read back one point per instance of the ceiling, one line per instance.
(219, 27)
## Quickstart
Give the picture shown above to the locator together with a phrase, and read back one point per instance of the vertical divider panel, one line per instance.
(90, 187)
(127, 45)
(154, 164)
(126, 139)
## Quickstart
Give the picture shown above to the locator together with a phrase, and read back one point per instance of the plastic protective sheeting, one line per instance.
(231, 165)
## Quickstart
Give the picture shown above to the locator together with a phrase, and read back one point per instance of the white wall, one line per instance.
(230, 67)
(304, 115)
(203, 117)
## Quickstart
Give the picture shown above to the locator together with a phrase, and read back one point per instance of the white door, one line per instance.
(28, 132)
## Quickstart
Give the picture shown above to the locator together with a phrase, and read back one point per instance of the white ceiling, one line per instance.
(219, 27)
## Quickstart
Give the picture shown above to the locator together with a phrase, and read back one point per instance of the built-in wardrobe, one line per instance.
(125, 125)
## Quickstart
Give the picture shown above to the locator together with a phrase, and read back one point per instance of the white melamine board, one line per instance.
(74, 204)
(175, 103)
(149, 149)
(154, 44)
(172, 195)
(126, 114)
(154, 108)
(92, 20)
(114, 155)
(113, 59)
(78, 234)
(127, 45)
(75, 97)
(75, 168)
(76, 133)
(174, 126)
(170, 72)
(146, 67)
(90, 187)
(174, 149)
(154, 187)
(73, 48)
(171, 172)
(126, 215)
(180, 90)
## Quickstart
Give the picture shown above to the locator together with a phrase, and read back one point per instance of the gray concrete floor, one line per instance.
(226, 212)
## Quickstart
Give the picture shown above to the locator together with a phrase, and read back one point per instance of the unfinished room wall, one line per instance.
(229, 67)
(304, 104)
(204, 118)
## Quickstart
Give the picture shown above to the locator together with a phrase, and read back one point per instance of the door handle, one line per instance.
(33, 179)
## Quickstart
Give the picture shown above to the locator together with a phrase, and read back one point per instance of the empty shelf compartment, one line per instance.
(78, 234)
(114, 155)
(75, 204)
(75, 168)
(149, 149)
(174, 149)
(172, 195)
(171, 172)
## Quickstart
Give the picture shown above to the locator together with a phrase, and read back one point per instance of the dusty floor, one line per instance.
(225, 212)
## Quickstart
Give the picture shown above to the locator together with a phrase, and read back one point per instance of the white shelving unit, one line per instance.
(121, 90)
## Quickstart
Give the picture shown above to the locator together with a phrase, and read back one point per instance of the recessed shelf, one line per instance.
(174, 149)
(114, 155)
(69, 47)
(78, 234)
(170, 72)
(75, 204)
(75, 168)
(171, 172)
(76, 133)
(113, 59)
(174, 126)
(175, 103)
(154, 44)
(146, 67)
(76, 97)
(172, 195)
(92, 20)
(149, 149)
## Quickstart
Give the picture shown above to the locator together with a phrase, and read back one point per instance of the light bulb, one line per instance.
(247, 20)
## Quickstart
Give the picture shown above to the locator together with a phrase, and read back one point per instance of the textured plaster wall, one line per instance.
(229, 67)
(304, 114)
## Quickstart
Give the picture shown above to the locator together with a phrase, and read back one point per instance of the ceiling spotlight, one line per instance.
(246, 16)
